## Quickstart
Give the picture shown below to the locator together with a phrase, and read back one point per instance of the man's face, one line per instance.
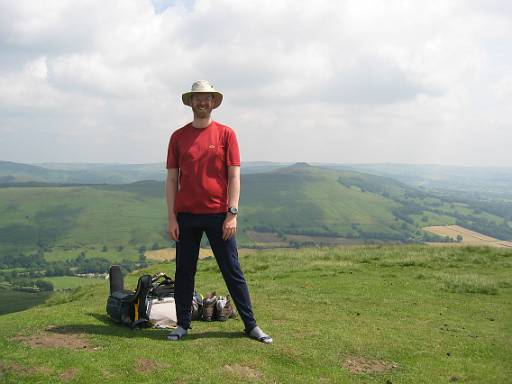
(202, 104)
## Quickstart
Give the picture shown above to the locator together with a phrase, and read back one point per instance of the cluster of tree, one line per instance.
(376, 184)
(480, 204)
(20, 260)
(404, 237)
(35, 266)
(487, 227)
(433, 238)
(407, 209)
(32, 286)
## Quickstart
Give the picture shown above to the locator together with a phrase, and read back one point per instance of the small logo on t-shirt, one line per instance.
(211, 146)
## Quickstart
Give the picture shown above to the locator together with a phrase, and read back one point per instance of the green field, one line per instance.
(380, 314)
(72, 282)
(14, 301)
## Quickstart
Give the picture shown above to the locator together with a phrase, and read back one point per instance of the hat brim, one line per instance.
(217, 98)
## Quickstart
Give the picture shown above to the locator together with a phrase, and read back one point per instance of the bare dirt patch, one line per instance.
(359, 364)
(6, 367)
(54, 339)
(143, 365)
(243, 372)
(68, 374)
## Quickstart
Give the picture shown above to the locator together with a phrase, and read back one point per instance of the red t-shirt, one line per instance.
(203, 156)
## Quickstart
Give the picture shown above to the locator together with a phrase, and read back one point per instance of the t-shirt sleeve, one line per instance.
(232, 152)
(172, 153)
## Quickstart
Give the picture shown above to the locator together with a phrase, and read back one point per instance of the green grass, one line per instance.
(72, 282)
(14, 301)
(322, 306)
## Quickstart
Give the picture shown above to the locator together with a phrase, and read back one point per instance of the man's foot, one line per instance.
(257, 334)
(177, 334)
(209, 306)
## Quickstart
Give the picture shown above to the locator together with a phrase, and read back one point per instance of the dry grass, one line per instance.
(469, 237)
(169, 254)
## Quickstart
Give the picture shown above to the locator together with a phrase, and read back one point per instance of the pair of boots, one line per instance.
(217, 308)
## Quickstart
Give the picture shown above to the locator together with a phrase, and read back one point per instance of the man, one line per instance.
(202, 191)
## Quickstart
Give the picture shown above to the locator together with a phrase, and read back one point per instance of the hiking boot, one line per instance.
(197, 306)
(209, 303)
(224, 309)
(196, 311)
(230, 309)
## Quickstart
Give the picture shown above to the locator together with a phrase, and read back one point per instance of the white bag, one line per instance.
(162, 313)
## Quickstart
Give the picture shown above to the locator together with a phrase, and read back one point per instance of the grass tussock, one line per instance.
(470, 283)
(404, 262)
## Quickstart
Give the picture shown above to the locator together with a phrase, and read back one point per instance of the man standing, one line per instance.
(202, 191)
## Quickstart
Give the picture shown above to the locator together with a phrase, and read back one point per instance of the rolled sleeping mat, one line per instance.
(116, 279)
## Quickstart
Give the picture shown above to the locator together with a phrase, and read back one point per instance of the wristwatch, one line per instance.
(233, 210)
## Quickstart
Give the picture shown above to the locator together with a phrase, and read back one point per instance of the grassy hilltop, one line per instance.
(380, 314)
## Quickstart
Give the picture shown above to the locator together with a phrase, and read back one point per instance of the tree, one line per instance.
(44, 285)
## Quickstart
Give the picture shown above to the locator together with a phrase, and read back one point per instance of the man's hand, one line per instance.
(173, 229)
(229, 226)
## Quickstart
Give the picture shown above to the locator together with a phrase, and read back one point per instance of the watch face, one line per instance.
(233, 210)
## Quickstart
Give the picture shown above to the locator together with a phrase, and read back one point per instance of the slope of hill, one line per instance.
(482, 180)
(98, 173)
(79, 173)
(349, 315)
(311, 200)
(295, 200)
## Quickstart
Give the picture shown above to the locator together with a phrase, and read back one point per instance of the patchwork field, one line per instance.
(380, 314)
(169, 254)
(469, 237)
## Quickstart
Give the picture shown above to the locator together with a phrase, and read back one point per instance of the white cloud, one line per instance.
(347, 81)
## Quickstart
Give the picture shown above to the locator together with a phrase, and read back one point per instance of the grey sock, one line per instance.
(177, 334)
(258, 334)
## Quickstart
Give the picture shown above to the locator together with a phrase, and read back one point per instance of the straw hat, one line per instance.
(202, 86)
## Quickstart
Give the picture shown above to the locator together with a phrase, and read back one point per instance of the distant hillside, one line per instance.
(483, 180)
(472, 182)
(92, 173)
(80, 173)
(299, 200)
(16, 172)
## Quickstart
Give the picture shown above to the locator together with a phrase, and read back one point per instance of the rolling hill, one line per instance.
(98, 173)
(289, 201)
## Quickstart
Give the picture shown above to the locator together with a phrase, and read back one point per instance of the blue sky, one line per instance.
(345, 81)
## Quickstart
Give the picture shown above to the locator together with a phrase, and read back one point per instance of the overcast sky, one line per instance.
(319, 81)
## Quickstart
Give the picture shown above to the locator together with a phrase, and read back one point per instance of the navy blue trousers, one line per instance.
(192, 227)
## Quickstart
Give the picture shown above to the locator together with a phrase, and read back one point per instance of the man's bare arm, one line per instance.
(233, 186)
(171, 186)
(229, 227)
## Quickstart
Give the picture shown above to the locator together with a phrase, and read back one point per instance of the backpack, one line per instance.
(131, 307)
(150, 305)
